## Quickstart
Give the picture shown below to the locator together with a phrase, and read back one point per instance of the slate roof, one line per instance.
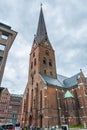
(61, 81)
(51, 81)
(69, 82)
(41, 30)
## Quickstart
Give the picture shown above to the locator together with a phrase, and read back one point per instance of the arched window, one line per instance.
(44, 60)
(50, 62)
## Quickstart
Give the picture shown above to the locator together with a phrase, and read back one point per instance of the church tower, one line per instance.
(42, 57)
(42, 62)
(47, 94)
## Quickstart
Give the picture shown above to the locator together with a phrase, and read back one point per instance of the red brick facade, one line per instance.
(44, 102)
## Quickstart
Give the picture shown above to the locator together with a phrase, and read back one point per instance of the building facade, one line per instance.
(10, 106)
(7, 36)
(51, 99)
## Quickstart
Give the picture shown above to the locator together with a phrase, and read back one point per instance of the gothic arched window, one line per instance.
(50, 62)
(44, 60)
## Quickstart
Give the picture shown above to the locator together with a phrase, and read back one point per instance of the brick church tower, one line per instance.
(42, 64)
(51, 99)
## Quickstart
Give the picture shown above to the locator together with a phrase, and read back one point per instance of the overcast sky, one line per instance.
(66, 23)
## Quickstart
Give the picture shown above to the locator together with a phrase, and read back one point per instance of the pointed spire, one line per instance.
(41, 30)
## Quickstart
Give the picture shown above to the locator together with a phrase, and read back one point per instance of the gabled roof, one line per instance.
(68, 95)
(51, 81)
(69, 82)
(61, 81)
(41, 30)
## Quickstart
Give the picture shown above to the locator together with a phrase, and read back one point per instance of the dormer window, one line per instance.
(44, 60)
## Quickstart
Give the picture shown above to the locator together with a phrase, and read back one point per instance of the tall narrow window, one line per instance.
(4, 36)
(32, 80)
(50, 62)
(31, 65)
(35, 61)
(40, 100)
(44, 60)
(76, 99)
(60, 99)
(70, 106)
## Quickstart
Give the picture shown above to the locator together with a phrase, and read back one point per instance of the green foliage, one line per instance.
(76, 126)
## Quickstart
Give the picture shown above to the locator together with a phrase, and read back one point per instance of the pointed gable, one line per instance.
(68, 95)
(41, 30)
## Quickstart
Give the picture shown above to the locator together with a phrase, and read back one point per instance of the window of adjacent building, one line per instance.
(44, 60)
(1, 59)
(50, 62)
(35, 61)
(47, 52)
(32, 80)
(2, 47)
(4, 36)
